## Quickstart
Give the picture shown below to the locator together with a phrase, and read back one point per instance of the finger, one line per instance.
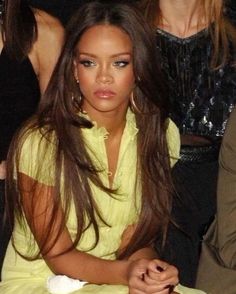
(171, 283)
(137, 283)
(168, 275)
(171, 279)
(164, 276)
(158, 265)
(141, 285)
(149, 280)
(153, 286)
(162, 281)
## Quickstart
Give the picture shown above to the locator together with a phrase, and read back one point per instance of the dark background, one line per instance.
(62, 9)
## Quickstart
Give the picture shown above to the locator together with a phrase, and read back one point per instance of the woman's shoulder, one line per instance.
(36, 138)
(48, 25)
(47, 47)
(45, 19)
(36, 154)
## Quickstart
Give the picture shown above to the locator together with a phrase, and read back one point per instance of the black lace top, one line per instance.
(201, 99)
(19, 97)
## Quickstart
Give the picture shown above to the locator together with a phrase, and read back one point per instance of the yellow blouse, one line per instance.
(22, 276)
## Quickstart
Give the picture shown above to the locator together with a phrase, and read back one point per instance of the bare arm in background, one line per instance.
(47, 48)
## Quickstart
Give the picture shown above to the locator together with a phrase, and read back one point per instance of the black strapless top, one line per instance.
(201, 99)
(19, 97)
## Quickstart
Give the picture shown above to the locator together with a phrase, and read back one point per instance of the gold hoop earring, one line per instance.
(76, 100)
(133, 105)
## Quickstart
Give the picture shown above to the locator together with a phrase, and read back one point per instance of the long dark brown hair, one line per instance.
(222, 33)
(58, 118)
(19, 28)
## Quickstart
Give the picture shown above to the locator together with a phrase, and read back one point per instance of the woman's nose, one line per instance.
(104, 76)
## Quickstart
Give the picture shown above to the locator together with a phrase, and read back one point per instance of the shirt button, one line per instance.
(109, 173)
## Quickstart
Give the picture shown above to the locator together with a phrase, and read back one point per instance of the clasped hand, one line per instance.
(152, 277)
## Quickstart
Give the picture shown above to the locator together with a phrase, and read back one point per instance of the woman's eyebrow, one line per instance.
(113, 55)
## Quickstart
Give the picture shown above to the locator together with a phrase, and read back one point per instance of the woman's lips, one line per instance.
(104, 93)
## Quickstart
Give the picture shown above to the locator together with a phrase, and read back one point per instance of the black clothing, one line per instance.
(19, 97)
(201, 100)
(193, 210)
(5, 231)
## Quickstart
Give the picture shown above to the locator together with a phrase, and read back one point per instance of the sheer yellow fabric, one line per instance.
(21, 276)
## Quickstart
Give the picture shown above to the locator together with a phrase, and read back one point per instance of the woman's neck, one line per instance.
(114, 125)
(181, 18)
(114, 121)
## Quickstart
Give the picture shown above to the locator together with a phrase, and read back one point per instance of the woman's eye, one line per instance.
(121, 63)
(87, 63)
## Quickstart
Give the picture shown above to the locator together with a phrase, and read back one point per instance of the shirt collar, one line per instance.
(130, 127)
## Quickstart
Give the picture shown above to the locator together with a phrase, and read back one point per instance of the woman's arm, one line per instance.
(38, 209)
(226, 195)
(146, 253)
(148, 274)
(47, 48)
(38, 205)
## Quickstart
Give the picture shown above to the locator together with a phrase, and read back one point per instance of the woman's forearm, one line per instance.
(83, 266)
(144, 253)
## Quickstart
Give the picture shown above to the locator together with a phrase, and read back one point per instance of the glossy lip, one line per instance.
(104, 93)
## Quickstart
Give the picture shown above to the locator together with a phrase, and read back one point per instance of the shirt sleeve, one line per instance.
(37, 157)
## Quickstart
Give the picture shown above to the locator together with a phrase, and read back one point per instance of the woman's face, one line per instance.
(104, 69)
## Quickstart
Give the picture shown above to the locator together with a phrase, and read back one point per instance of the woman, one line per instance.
(89, 184)
(30, 43)
(196, 43)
